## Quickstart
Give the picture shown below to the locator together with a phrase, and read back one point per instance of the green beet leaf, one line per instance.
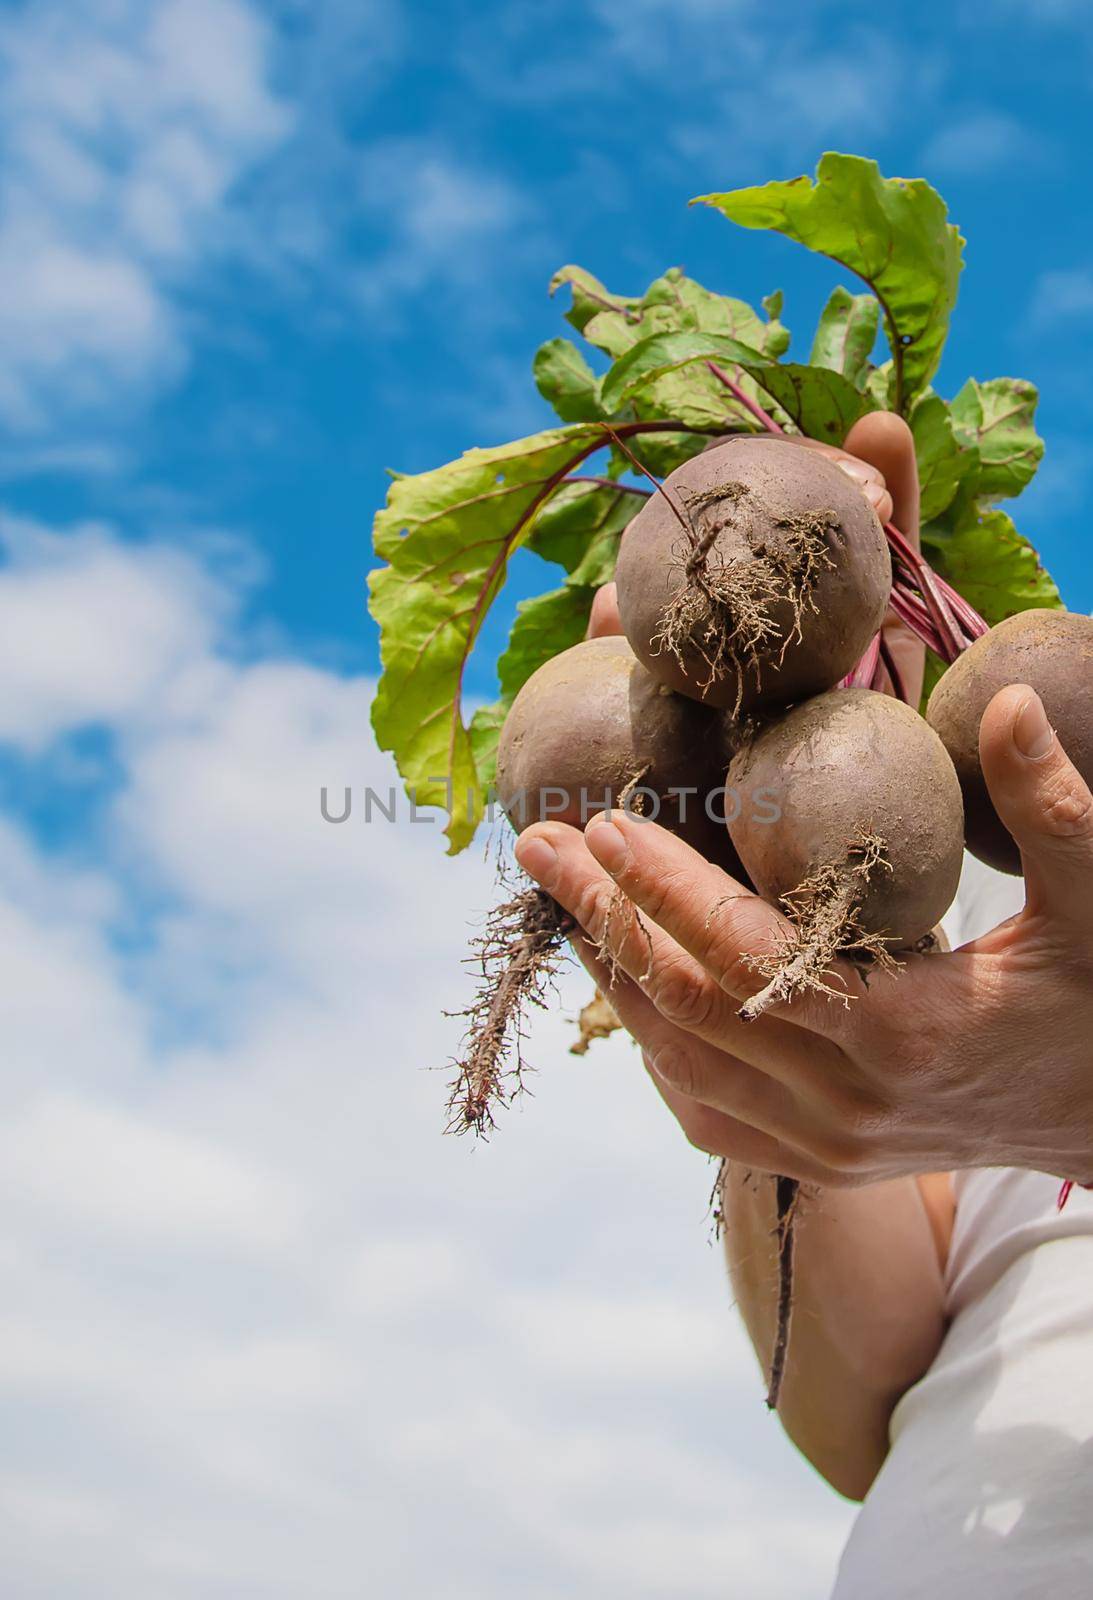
(821, 403)
(997, 418)
(818, 402)
(672, 304)
(993, 566)
(662, 453)
(580, 529)
(566, 381)
(944, 460)
(590, 298)
(642, 368)
(878, 385)
(447, 536)
(846, 334)
(675, 301)
(893, 232)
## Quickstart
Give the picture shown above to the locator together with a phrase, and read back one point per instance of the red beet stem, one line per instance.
(861, 677)
(761, 416)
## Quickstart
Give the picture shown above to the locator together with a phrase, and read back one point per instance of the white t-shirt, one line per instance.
(988, 1487)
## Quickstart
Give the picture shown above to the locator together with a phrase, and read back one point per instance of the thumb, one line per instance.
(1043, 800)
(604, 619)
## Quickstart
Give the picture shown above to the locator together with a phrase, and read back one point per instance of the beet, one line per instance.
(591, 729)
(758, 577)
(866, 851)
(1051, 651)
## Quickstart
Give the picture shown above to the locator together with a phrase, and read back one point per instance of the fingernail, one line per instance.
(539, 860)
(607, 844)
(1032, 732)
(857, 470)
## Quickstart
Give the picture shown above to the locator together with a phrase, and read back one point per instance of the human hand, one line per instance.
(980, 1057)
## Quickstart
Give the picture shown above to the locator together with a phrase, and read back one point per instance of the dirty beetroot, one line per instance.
(757, 577)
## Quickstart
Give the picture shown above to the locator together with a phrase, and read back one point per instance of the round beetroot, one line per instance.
(1051, 651)
(865, 850)
(758, 577)
(591, 729)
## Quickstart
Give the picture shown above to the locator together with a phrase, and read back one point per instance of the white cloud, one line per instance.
(1060, 487)
(981, 142)
(754, 90)
(439, 219)
(126, 125)
(639, 30)
(790, 97)
(88, 634)
(131, 1178)
(129, 129)
(256, 1307)
(1062, 295)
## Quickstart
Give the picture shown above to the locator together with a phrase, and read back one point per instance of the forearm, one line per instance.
(868, 1313)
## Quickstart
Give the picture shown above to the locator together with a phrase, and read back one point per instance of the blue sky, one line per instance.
(253, 254)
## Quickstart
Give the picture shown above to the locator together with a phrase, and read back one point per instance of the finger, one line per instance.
(604, 621)
(750, 1115)
(882, 504)
(868, 477)
(1043, 800)
(718, 922)
(869, 480)
(886, 442)
(556, 856)
(719, 1134)
(677, 983)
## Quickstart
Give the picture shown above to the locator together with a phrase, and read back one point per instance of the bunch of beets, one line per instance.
(752, 587)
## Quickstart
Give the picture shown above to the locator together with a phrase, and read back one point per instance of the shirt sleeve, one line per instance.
(984, 899)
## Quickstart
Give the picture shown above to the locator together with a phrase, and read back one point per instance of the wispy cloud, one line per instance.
(646, 34)
(981, 142)
(788, 99)
(435, 219)
(127, 124)
(89, 635)
(1061, 295)
(728, 87)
